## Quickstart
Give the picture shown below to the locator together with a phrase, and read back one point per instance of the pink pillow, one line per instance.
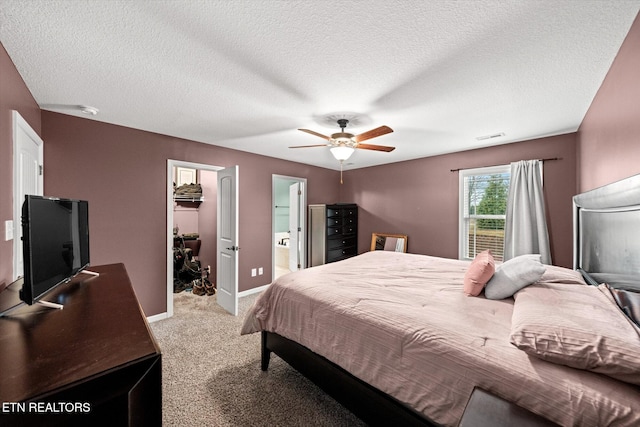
(480, 271)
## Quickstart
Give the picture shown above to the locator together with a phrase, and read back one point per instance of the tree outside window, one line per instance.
(484, 195)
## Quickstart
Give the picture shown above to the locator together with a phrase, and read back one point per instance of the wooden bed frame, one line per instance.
(377, 408)
(368, 403)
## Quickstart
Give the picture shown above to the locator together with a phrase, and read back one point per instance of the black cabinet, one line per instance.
(333, 233)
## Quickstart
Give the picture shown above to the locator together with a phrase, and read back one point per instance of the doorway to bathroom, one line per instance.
(289, 230)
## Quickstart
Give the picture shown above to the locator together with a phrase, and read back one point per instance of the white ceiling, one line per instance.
(245, 74)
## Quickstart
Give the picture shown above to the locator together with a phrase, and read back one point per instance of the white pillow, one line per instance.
(514, 275)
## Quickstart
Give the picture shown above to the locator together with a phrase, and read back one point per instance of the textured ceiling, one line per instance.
(246, 74)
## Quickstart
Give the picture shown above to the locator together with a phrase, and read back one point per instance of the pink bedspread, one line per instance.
(402, 323)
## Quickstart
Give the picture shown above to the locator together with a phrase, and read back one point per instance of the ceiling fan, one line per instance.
(342, 144)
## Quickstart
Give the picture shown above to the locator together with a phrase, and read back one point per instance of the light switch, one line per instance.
(253, 272)
(8, 230)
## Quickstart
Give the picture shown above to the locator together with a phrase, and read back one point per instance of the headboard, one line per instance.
(606, 228)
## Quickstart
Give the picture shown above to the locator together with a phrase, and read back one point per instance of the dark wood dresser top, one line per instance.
(100, 328)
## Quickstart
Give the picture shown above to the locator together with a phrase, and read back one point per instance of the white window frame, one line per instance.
(463, 173)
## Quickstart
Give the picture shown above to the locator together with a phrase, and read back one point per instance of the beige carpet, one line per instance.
(211, 375)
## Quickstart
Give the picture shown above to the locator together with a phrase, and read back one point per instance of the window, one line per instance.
(483, 207)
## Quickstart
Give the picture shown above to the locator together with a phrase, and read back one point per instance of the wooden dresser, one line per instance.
(95, 362)
(333, 232)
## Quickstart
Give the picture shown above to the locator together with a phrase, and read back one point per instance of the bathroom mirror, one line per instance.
(389, 242)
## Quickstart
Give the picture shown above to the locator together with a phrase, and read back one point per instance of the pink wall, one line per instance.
(14, 95)
(185, 218)
(609, 136)
(201, 218)
(207, 217)
(122, 173)
(420, 197)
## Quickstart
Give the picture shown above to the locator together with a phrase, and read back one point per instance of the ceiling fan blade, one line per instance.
(316, 134)
(382, 130)
(384, 148)
(307, 146)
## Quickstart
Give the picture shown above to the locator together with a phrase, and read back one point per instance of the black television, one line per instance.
(55, 243)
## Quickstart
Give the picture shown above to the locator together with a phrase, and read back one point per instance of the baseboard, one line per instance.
(157, 317)
(248, 292)
(253, 290)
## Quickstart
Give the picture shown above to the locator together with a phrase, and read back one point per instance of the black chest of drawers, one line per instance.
(333, 233)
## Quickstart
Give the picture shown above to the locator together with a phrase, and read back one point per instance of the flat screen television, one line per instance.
(55, 243)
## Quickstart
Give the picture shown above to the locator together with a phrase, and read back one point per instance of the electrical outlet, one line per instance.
(253, 272)
(260, 271)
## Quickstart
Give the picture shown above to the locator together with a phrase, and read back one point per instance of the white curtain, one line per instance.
(525, 230)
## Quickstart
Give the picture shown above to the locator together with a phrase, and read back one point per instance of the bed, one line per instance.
(394, 337)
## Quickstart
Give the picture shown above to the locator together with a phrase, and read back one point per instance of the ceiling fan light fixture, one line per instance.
(342, 144)
(341, 152)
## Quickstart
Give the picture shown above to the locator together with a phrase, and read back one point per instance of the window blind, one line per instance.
(484, 198)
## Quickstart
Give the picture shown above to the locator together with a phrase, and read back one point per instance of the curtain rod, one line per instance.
(542, 160)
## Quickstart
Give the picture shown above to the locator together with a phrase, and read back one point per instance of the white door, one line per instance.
(27, 179)
(227, 245)
(295, 228)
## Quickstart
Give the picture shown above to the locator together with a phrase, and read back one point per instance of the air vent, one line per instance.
(495, 135)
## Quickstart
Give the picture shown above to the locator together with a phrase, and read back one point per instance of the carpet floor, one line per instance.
(211, 374)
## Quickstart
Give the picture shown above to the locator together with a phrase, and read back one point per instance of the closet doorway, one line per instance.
(289, 229)
(191, 219)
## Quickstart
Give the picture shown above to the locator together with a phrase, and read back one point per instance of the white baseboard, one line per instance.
(157, 317)
(253, 291)
(164, 315)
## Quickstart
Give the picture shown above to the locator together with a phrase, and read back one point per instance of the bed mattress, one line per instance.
(402, 323)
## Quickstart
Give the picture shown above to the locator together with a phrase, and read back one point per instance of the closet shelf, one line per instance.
(188, 199)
